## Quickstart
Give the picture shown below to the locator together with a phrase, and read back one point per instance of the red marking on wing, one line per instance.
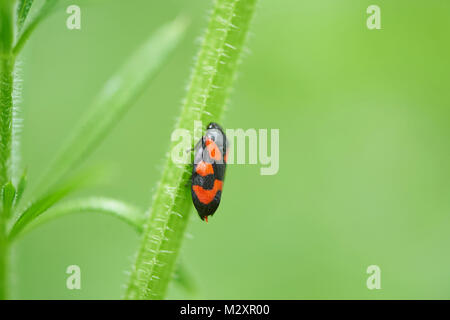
(225, 158)
(214, 152)
(203, 168)
(206, 196)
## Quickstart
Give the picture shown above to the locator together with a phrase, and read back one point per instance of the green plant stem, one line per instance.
(6, 116)
(6, 108)
(7, 61)
(207, 95)
(4, 259)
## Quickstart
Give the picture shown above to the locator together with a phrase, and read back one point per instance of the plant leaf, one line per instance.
(128, 213)
(21, 188)
(23, 8)
(7, 25)
(207, 95)
(8, 194)
(116, 97)
(43, 12)
(51, 197)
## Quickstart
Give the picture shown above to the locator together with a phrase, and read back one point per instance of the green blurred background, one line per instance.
(364, 151)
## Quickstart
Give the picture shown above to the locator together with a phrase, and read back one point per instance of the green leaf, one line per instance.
(128, 213)
(28, 29)
(51, 197)
(23, 8)
(21, 188)
(8, 194)
(207, 95)
(116, 97)
(6, 26)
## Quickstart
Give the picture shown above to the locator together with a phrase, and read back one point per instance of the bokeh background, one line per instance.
(364, 151)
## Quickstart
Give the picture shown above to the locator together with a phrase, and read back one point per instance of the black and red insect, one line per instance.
(210, 160)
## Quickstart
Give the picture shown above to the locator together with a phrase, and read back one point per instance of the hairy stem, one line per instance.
(6, 109)
(6, 117)
(208, 92)
(4, 259)
(7, 60)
